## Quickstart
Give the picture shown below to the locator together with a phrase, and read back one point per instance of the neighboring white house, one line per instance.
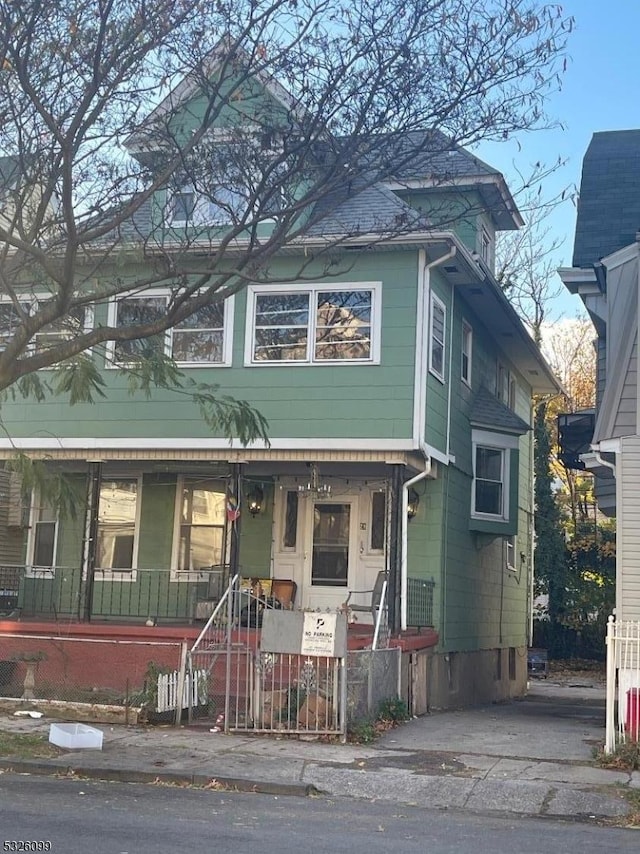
(606, 275)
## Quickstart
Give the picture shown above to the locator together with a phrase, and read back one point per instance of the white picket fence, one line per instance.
(623, 683)
(194, 691)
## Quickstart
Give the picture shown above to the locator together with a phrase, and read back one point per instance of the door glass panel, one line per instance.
(330, 562)
(290, 521)
(378, 520)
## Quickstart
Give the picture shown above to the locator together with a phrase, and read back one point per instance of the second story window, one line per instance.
(467, 346)
(202, 340)
(437, 336)
(9, 322)
(75, 322)
(315, 325)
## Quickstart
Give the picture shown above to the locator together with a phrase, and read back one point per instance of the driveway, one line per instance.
(561, 719)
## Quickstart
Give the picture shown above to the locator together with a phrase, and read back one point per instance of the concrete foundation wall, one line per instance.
(433, 681)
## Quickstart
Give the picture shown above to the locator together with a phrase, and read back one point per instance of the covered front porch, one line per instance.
(155, 542)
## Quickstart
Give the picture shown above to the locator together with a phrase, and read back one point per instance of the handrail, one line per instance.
(381, 607)
(215, 611)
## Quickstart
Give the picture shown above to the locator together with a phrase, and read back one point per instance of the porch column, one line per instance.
(395, 549)
(235, 518)
(90, 544)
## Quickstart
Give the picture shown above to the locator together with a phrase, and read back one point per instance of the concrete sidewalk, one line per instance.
(529, 757)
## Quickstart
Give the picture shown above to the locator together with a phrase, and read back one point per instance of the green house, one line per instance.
(397, 382)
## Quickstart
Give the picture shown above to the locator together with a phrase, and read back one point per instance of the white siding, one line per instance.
(628, 531)
(625, 420)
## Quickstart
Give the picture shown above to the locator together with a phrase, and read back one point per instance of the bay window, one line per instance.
(489, 481)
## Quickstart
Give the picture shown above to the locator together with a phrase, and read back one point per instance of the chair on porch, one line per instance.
(284, 590)
(376, 602)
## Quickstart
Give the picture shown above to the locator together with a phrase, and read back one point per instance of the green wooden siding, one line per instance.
(149, 591)
(299, 401)
(438, 391)
(453, 210)
(484, 602)
(255, 535)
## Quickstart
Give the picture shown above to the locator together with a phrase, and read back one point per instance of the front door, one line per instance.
(331, 545)
(330, 558)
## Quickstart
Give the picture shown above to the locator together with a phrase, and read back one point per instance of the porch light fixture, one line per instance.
(314, 486)
(255, 499)
(412, 503)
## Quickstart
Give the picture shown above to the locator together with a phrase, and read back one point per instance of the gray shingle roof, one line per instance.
(609, 202)
(436, 155)
(487, 411)
(373, 210)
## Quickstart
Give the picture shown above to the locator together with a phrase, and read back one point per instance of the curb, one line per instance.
(121, 775)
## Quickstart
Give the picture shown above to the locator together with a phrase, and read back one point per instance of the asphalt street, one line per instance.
(80, 816)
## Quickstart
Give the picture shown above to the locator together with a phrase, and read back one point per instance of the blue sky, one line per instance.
(599, 92)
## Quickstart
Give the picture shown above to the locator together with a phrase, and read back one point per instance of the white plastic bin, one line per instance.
(75, 736)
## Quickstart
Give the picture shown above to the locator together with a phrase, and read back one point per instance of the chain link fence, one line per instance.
(84, 670)
(373, 677)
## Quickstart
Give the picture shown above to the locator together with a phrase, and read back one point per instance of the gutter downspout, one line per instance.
(404, 523)
(604, 463)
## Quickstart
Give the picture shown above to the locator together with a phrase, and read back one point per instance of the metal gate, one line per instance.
(262, 691)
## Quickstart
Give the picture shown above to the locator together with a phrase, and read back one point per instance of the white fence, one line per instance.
(194, 690)
(623, 683)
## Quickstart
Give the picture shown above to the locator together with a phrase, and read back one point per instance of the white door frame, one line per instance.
(294, 562)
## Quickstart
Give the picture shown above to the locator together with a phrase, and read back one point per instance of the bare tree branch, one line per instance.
(272, 112)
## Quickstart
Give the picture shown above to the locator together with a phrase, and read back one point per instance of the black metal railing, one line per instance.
(151, 594)
(420, 602)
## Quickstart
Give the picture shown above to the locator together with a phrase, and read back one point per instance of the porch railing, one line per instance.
(149, 594)
(420, 602)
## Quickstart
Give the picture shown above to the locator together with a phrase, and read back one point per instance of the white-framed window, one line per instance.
(202, 340)
(491, 474)
(505, 386)
(511, 552)
(489, 481)
(437, 336)
(200, 522)
(313, 324)
(486, 246)
(78, 321)
(118, 523)
(466, 352)
(9, 321)
(222, 206)
(43, 537)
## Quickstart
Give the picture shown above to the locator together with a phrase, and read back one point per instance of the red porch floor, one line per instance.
(359, 635)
